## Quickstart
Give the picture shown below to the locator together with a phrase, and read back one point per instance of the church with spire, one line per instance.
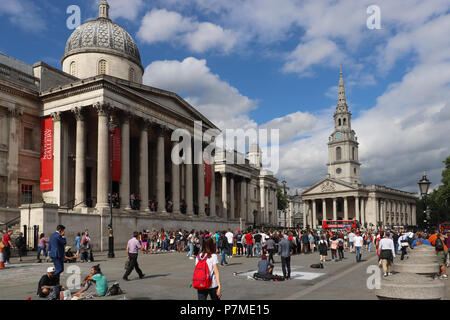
(341, 196)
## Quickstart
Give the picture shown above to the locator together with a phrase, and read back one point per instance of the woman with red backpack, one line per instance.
(206, 277)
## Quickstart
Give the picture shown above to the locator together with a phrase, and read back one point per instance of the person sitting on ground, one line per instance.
(96, 277)
(69, 256)
(264, 267)
(47, 283)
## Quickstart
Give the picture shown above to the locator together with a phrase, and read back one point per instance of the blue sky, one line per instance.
(275, 64)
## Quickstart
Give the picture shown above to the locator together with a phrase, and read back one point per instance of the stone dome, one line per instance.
(102, 35)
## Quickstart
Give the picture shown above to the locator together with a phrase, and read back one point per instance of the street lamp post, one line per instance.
(424, 185)
(111, 127)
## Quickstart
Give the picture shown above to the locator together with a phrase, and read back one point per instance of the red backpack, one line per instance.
(202, 279)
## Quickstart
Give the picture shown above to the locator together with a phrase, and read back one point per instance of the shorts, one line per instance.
(153, 244)
(144, 244)
(442, 257)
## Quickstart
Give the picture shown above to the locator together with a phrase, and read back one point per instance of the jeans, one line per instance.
(358, 252)
(258, 249)
(341, 252)
(203, 294)
(223, 260)
(239, 249)
(370, 246)
(191, 249)
(286, 266)
(230, 249)
(403, 253)
(39, 252)
(250, 250)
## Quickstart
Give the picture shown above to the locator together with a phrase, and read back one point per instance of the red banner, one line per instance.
(46, 154)
(117, 155)
(208, 179)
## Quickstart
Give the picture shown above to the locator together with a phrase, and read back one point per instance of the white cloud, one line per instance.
(160, 25)
(222, 103)
(308, 54)
(22, 13)
(292, 125)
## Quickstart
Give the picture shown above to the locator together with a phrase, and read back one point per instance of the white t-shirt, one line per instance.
(358, 241)
(211, 262)
(351, 237)
(229, 236)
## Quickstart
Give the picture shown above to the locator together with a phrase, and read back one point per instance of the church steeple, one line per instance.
(343, 158)
(103, 9)
(342, 101)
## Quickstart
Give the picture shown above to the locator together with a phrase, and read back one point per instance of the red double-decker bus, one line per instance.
(339, 224)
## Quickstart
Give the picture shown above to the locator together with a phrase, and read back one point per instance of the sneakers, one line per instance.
(191, 258)
(443, 276)
(385, 275)
(389, 273)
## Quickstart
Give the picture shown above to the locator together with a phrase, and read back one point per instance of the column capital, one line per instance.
(103, 109)
(125, 116)
(161, 130)
(56, 116)
(144, 124)
(79, 113)
(15, 112)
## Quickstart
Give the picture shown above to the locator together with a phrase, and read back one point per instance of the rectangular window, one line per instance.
(28, 138)
(27, 193)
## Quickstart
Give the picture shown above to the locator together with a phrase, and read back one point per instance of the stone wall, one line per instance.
(47, 217)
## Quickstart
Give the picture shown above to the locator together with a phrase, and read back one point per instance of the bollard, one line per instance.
(410, 286)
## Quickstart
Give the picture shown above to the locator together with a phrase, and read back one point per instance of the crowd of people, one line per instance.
(207, 246)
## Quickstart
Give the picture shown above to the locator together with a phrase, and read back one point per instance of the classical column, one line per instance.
(334, 209)
(125, 169)
(414, 214)
(55, 195)
(160, 171)
(212, 196)
(249, 202)
(383, 211)
(363, 211)
(324, 209)
(377, 210)
(232, 215)
(314, 214)
(12, 169)
(143, 166)
(304, 213)
(175, 185)
(201, 183)
(345, 208)
(243, 187)
(80, 159)
(189, 188)
(357, 209)
(224, 196)
(102, 156)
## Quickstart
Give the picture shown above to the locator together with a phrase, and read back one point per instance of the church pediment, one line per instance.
(327, 186)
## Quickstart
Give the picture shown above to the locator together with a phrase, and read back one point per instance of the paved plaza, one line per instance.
(168, 276)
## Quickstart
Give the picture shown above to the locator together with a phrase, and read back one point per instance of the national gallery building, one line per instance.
(342, 196)
(60, 129)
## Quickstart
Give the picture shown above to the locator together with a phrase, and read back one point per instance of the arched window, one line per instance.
(131, 75)
(338, 153)
(73, 69)
(102, 67)
(339, 121)
(353, 153)
(345, 120)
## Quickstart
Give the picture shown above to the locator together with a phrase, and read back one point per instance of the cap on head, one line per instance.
(50, 269)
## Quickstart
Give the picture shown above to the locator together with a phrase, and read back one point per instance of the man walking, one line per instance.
(132, 252)
(249, 244)
(229, 235)
(56, 250)
(358, 242)
(284, 250)
(258, 245)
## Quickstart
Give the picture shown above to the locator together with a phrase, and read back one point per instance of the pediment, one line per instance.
(327, 186)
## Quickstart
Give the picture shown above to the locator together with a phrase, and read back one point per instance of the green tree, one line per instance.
(283, 199)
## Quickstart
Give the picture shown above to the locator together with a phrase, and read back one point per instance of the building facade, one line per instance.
(341, 196)
(96, 105)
